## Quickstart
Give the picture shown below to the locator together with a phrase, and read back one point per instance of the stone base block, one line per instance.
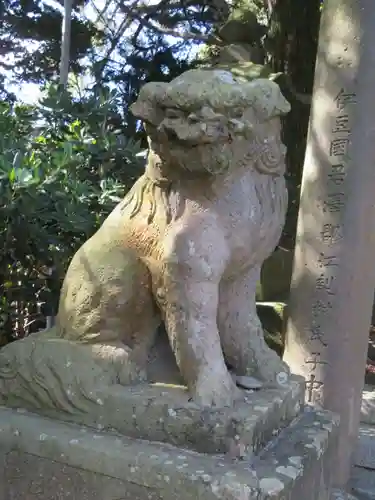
(363, 472)
(342, 495)
(44, 459)
(364, 455)
(162, 412)
(368, 405)
(362, 483)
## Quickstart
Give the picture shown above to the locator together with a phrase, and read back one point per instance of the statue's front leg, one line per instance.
(242, 334)
(189, 292)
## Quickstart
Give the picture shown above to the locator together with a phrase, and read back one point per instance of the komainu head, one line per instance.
(212, 121)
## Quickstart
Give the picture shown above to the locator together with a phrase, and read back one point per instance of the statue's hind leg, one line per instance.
(111, 311)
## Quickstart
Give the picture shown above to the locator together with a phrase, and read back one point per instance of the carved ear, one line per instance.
(147, 112)
(270, 159)
(268, 100)
(146, 107)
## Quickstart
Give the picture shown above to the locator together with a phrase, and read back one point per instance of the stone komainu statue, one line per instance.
(185, 247)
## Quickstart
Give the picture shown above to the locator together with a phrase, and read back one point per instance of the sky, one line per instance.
(31, 92)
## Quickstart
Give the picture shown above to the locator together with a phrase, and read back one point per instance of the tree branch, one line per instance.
(100, 14)
(122, 28)
(163, 5)
(188, 35)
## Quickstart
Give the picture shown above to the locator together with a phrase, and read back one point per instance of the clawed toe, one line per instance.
(218, 392)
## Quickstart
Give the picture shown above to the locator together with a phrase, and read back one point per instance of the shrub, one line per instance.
(63, 166)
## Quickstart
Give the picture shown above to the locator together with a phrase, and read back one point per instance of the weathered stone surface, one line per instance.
(34, 450)
(28, 477)
(368, 406)
(362, 482)
(364, 455)
(186, 244)
(363, 473)
(302, 459)
(333, 277)
(342, 495)
(163, 413)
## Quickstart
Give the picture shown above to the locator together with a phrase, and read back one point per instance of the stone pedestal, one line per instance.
(333, 278)
(363, 472)
(164, 413)
(271, 451)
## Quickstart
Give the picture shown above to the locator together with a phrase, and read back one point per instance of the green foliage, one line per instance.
(111, 47)
(63, 166)
(64, 162)
(28, 25)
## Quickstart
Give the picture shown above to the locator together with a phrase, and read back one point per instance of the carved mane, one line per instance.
(157, 194)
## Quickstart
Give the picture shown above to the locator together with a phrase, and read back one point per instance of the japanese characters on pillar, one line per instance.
(332, 205)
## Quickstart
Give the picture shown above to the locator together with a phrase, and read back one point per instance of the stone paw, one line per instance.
(213, 390)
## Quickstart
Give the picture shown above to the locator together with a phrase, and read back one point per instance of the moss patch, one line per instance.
(273, 316)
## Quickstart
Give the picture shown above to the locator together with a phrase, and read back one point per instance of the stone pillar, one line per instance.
(333, 277)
